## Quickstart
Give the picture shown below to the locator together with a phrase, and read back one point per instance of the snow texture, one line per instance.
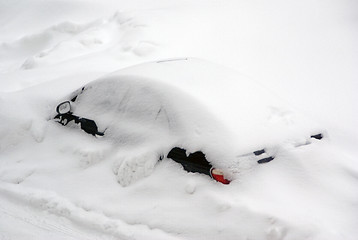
(273, 74)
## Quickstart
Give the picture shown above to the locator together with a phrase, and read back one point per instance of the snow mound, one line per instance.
(228, 111)
(129, 169)
(119, 34)
(151, 108)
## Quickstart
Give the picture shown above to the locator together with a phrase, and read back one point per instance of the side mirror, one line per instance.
(63, 108)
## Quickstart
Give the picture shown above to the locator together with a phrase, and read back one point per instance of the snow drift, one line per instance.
(192, 104)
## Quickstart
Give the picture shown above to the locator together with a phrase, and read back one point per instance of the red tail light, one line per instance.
(218, 175)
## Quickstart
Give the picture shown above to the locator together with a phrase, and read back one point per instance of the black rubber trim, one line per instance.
(265, 160)
(259, 152)
(317, 136)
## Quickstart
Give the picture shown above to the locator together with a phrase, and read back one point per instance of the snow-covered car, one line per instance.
(201, 115)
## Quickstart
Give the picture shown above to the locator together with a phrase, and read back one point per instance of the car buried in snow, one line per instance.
(204, 116)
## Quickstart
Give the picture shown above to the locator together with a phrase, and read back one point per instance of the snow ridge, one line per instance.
(119, 34)
(61, 207)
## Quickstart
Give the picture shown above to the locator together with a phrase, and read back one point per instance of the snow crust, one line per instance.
(288, 70)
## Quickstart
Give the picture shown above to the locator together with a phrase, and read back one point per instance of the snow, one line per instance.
(273, 73)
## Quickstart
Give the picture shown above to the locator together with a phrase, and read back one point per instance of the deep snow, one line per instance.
(57, 183)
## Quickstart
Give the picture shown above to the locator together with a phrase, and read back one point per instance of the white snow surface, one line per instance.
(274, 73)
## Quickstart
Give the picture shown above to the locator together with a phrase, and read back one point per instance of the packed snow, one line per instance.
(224, 77)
